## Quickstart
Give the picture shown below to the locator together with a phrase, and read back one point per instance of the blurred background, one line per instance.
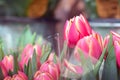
(47, 17)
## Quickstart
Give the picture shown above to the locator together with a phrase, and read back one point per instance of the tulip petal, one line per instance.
(73, 35)
(72, 67)
(87, 25)
(117, 51)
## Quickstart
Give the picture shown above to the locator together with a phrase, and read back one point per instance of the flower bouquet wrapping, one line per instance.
(86, 55)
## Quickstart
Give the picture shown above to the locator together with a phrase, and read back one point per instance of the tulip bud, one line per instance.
(51, 68)
(42, 76)
(28, 53)
(19, 76)
(8, 62)
(75, 29)
(7, 78)
(3, 68)
(90, 46)
(116, 44)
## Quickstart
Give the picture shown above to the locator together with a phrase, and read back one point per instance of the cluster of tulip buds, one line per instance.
(47, 70)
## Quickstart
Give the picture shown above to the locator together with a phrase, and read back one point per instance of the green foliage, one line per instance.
(1, 50)
(46, 49)
(29, 72)
(16, 65)
(34, 62)
(110, 68)
(1, 74)
(87, 66)
(64, 51)
(99, 62)
(26, 38)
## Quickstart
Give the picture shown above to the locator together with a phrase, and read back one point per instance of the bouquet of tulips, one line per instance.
(86, 55)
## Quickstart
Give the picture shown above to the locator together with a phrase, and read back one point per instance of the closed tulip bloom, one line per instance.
(28, 53)
(90, 46)
(20, 76)
(51, 68)
(116, 43)
(8, 62)
(3, 68)
(42, 76)
(75, 29)
(7, 78)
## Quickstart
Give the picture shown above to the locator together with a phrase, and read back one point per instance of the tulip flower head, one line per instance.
(28, 53)
(75, 29)
(116, 44)
(8, 62)
(42, 76)
(3, 68)
(19, 76)
(91, 46)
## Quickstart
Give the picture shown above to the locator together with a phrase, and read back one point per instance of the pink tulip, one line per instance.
(3, 68)
(43, 76)
(8, 78)
(19, 76)
(91, 46)
(75, 29)
(8, 62)
(116, 43)
(28, 53)
(50, 67)
(74, 68)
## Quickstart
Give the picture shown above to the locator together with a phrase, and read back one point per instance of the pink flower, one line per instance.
(52, 68)
(19, 76)
(8, 62)
(8, 78)
(3, 68)
(91, 46)
(42, 76)
(28, 53)
(75, 29)
(116, 43)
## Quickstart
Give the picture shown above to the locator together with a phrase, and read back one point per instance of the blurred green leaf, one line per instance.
(34, 63)
(99, 62)
(1, 50)
(1, 74)
(110, 68)
(64, 51)
(26, 38)
(29, 70)
(55, 58)
(87, 66)
(46, 49)
(16, 64)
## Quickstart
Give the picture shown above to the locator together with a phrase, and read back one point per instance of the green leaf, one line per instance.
(26, 38)
(64, 51)
(1, 74)
(34, 63)
(110, 68)
(33, 38)
(1, 52)
(29, 70)
(87, 66)
(99, 62)
(16, 65)
(55, 58)
(46, 49)
(25, 69)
